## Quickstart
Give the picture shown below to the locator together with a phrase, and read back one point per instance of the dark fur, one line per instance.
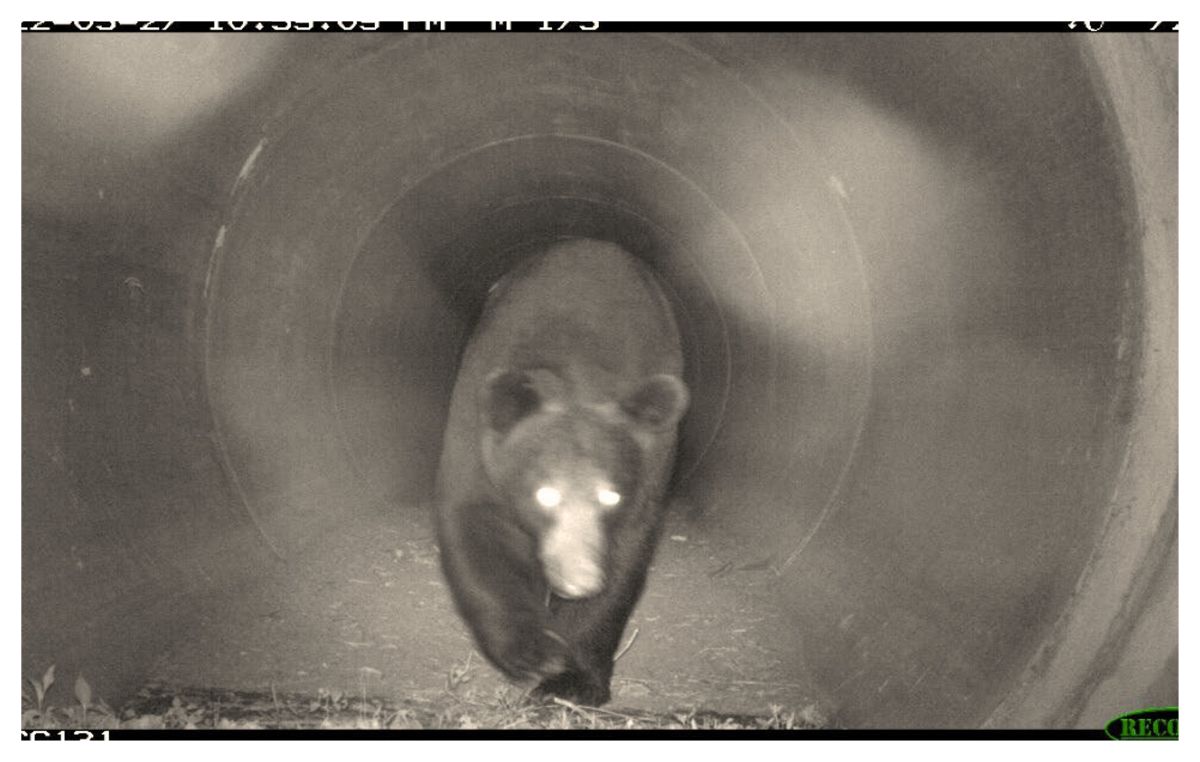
(573, 368)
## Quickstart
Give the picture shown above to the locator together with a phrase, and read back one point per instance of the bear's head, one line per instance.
(573, 469)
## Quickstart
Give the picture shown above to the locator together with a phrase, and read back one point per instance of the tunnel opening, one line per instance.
(915, 329)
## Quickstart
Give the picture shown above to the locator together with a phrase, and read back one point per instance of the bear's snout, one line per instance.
(571, 557)
(581, 582)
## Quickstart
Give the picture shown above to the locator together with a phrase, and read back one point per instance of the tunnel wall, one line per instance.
(1136, 662)
(925, 432)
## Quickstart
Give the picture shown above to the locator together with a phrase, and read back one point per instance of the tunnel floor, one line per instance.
(365, 612)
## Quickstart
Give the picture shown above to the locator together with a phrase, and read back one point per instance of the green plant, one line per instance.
(41, 687)
(89, 713)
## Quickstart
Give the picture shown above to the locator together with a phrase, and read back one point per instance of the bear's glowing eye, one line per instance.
(548, 497)
(607, 497)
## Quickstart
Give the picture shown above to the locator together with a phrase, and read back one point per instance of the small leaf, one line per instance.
(48, 678)
(83, 691)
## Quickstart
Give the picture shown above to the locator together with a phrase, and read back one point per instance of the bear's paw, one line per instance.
(575, 686)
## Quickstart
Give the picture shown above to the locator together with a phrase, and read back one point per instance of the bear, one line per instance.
(559, 444)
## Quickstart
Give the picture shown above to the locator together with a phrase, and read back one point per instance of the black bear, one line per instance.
(558, 447)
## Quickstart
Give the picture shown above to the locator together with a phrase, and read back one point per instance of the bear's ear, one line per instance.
(508, 396)
(658, 403)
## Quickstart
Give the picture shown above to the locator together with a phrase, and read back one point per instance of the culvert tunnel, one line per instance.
(926, 286)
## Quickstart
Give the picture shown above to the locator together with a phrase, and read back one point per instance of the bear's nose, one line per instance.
(570, 590)
(580, 582)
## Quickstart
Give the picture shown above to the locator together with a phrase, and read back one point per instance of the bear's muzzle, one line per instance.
(572, 553)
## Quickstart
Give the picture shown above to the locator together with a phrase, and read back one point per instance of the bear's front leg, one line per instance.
(499, 592)
(520, 646)
(593, 626)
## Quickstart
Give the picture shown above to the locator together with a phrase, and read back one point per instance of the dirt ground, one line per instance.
(365, 613)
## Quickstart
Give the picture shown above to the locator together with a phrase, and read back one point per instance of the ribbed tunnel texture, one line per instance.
(902, 267)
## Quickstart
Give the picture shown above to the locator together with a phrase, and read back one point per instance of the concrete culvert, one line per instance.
(926, 291)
